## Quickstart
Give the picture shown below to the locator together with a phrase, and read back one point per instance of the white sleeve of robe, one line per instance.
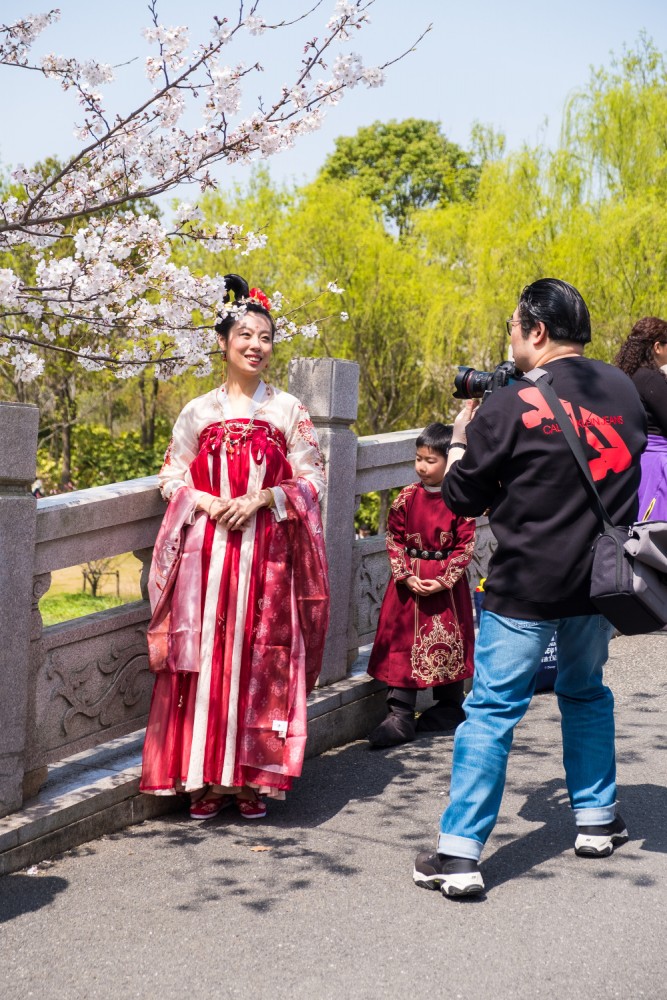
(182, 451)
(303, 454)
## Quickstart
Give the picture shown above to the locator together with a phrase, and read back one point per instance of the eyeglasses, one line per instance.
(509, 323)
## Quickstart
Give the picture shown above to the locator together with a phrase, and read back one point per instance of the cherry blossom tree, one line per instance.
(115, 299)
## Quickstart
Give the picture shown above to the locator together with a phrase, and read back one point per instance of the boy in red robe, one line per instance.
(425, 634)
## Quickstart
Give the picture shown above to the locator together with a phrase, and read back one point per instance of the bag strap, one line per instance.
(541, 380)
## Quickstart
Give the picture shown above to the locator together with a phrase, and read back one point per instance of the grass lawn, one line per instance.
(65, 598)
(63, 607)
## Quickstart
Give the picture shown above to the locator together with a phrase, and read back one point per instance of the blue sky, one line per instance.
(511, 65)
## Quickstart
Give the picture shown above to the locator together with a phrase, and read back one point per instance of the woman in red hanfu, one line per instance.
(238, 584)
(425, 634)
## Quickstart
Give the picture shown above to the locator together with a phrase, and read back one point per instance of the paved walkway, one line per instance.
(318, 901)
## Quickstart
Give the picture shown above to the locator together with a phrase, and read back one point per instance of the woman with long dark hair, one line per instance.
(643, 357)
(238, 583)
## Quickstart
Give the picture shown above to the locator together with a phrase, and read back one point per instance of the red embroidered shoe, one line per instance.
(251, 808)
(208, 808)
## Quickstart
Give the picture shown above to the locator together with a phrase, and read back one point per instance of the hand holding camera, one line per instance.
(461, 421)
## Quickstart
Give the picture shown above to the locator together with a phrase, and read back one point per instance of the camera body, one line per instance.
(471, 384)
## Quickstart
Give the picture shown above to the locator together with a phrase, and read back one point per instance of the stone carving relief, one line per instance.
(370, 575)
(122, 670)
(92, 685)
(144, 556)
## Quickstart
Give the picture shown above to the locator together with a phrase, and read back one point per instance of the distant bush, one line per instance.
(98, 457)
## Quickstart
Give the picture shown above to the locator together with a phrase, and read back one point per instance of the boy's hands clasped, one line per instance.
(424, 588)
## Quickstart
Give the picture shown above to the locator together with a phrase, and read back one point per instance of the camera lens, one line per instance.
(471, 384)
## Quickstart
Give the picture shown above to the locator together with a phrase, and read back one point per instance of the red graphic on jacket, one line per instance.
(612, 452)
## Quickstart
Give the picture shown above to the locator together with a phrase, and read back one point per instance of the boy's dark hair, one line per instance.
(559, 306)
(437, 437)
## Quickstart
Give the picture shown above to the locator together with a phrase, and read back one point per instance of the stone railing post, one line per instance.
(18, 449)
(329, 389)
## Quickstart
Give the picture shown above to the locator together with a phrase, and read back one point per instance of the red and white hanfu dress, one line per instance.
(239, 617)
(422, 642)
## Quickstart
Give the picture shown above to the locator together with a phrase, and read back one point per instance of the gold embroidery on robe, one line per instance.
(437, 654)
(457, 566)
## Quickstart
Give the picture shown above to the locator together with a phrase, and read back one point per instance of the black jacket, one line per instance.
(519, 467)
(651, 385)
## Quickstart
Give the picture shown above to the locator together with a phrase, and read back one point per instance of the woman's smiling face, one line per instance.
(249, 344)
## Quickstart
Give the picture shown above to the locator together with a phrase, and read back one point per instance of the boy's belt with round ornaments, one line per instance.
(426, 554)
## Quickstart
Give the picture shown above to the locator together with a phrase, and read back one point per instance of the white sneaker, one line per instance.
(600, 841)
(452, 876)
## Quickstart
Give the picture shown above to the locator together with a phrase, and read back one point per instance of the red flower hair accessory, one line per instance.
(258, 295)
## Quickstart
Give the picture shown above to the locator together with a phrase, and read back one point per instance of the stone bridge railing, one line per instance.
(72, 686)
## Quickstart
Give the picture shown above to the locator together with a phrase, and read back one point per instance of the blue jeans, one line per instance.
(507, 657)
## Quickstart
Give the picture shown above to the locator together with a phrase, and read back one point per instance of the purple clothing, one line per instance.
(653, 485)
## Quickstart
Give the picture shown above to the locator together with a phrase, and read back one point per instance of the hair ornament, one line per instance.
(257, 295)
(237, 300)
(237, 285)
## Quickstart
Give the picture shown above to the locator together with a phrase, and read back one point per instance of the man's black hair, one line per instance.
(559, 306)
(437, 437)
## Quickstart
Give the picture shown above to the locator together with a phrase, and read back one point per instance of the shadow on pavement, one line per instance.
(259, 862)
(548, 805)
(329, 784)
(26, 893)
(644, 808)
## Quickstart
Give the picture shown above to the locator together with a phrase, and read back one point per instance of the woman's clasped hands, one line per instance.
(234, 513)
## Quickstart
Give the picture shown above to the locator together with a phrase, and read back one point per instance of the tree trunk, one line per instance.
(66, 456)
(148, 401)
(155, 386)
(66, 397)
(142, 400)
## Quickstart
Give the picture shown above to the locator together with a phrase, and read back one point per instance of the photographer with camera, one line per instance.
(513, 460)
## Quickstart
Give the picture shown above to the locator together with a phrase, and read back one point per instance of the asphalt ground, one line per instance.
(318, 899)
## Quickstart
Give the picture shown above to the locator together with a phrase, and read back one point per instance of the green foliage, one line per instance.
(404, 167)
(99, 458)
(618, 124)
(474, 228)
(591, 212)
(368, 514)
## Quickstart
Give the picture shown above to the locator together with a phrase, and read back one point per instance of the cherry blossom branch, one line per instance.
(104, 276)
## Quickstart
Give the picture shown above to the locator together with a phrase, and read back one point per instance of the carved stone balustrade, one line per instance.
(73, 686)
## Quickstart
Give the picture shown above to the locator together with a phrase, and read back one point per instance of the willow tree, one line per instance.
(592, 211)
(617, 125)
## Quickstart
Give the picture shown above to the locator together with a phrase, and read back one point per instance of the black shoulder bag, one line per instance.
(629, 576)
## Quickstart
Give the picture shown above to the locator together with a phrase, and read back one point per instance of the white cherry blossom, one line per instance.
(114, 298)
